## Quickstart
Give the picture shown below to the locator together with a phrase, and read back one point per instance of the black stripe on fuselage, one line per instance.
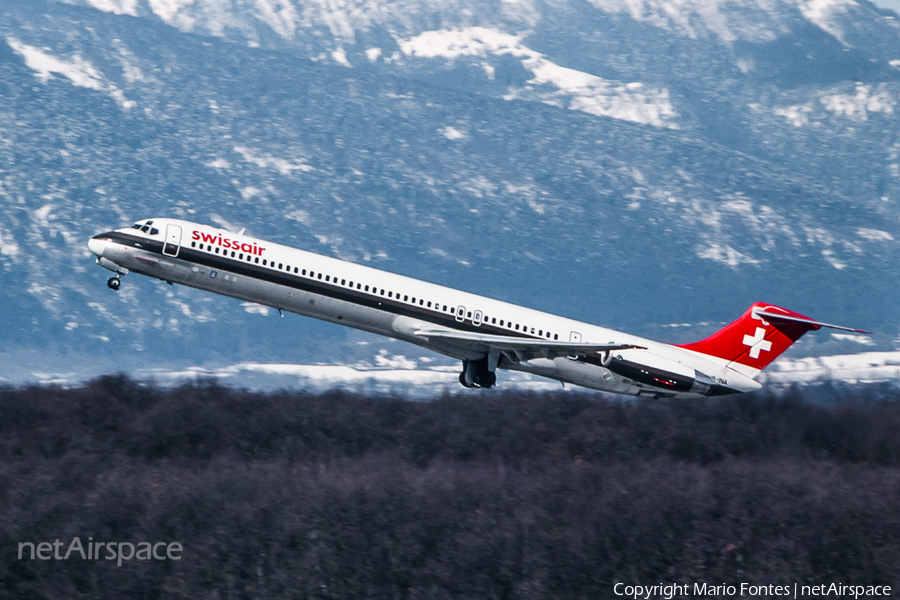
(302, 283)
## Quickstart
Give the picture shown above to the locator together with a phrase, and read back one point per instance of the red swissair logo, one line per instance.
(218, 240)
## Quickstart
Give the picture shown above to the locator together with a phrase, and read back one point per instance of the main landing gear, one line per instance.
(114, 283)
(476, 373)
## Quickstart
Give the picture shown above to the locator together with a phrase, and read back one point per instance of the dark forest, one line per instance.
(477, 495)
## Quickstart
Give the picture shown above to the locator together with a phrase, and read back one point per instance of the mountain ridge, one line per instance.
(520, 160)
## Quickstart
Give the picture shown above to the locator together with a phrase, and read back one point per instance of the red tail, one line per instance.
(758, 337)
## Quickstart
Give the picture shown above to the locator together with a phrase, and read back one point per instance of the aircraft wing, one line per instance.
(520, 346)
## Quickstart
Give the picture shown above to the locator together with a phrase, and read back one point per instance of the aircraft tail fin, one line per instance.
(759, 336)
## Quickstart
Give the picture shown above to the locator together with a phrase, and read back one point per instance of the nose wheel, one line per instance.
(114, 283)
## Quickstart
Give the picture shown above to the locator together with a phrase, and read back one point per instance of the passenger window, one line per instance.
(555, 336)
(541, 332)
(241, 256)
(257, 260)
(390, 294)
(217, 249)
(344, 282)
(328, 278)
(406, 298)
(296, 269)
(517, 326)
(264, 262)
(422, 302)
(429, 304)
(193, 244)
(232, 254)
(501, 322)
(319, 277)
(367, 288)
(493, 321)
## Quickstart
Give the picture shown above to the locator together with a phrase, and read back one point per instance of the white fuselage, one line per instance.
(388, 304)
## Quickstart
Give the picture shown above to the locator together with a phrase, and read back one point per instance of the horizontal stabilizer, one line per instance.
(810, 322)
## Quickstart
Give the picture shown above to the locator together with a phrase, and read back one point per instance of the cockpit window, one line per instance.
(145, 228)
(154, 231)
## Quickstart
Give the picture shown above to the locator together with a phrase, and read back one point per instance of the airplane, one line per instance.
(485, 334)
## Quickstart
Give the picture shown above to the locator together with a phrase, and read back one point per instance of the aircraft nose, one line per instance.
(97, 245)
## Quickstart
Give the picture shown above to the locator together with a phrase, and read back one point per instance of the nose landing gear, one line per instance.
(114, 283)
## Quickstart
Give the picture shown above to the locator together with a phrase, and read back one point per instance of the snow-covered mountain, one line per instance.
(652, 166)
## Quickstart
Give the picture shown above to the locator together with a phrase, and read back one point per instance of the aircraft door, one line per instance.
(173, 240)
(476, 318)
(575, 337)
(461, 313)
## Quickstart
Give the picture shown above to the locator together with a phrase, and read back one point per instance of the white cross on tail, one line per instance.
(757, 342)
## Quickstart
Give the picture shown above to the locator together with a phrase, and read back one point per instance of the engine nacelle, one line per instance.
(653, 370)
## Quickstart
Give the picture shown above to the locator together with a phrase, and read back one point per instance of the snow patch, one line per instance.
(761, 21)
(849, 337)
(398, 361)
(858, 106)
(79, 71)
(862, 367)
(280, 15)
(552, 83)
(874, 235)
(255, 309)
(796, 115)
(451, 133)
(823, 13)
(168, 9)
(725, 254)
(340, 57)
(221, 222)
(219, 163)
(283, 166)
(117, 7)
(8, 246)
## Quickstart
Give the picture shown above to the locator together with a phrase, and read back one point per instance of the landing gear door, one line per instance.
(173, 240)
